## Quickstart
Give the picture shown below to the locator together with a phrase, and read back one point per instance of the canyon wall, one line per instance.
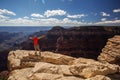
(78, 41)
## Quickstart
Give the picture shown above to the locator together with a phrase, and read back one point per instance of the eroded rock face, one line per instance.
(84, 70)
(89, 68)
(21, 59)
(18, 75)
(111, 52)
(25, 65)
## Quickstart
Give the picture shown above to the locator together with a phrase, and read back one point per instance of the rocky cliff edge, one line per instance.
(111, 52)
(26, 65)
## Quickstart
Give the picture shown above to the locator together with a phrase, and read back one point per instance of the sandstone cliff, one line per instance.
(111, 52)
(25, 65)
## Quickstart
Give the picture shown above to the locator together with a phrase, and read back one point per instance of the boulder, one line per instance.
(22, 58)
(47, 76)
(85, 70)
(20, 74)
(89, 68)
(52, 68)
(111, 52)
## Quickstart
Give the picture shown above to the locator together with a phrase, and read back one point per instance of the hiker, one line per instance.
(36, 43)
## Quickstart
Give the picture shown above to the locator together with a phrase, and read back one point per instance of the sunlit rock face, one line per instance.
(111, 52)
(23, 58)
(26, 65)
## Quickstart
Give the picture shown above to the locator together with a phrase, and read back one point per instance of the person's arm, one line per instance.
(30, 38)
(41, 37)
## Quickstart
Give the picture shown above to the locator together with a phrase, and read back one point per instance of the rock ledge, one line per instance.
(25, 65)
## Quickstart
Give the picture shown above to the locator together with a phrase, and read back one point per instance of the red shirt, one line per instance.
(35, 39)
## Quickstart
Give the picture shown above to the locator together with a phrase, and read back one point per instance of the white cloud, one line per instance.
(103, 19)
(59, 12)
(37, 15)
(75, 16)
(63, 22)
(116, 10)
(41, 22)
(110, 23)
(26, 17)
(45, 20)
(3, 17)
(19, 21)
(5, 11)
(53, 22)
(105, 14)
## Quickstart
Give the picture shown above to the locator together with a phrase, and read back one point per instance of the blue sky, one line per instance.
(59, 12)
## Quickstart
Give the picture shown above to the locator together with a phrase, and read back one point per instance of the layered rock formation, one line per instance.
(111, 52)
(26, 65)
(77, 41)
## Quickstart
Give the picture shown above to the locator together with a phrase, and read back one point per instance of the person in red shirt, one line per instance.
(36, 43)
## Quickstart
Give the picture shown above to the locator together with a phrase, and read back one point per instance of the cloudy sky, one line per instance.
(59, 12)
